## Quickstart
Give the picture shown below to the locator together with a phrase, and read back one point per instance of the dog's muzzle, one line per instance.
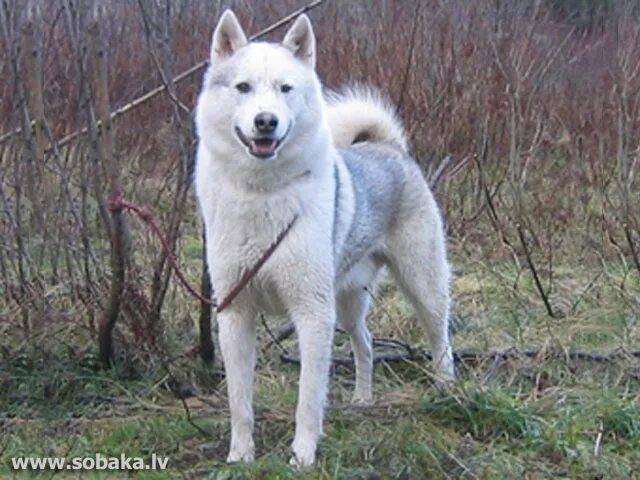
(264, 146)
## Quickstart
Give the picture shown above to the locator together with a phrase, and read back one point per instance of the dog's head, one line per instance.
(257, 97)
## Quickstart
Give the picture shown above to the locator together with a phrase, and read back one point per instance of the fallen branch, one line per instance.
(282, 333)
(473, 357)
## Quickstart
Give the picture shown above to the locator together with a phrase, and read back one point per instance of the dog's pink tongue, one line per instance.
(264, 146)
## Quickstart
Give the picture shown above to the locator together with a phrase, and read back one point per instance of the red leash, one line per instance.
(118, 203)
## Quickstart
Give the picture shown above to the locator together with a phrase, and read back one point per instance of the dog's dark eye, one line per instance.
(243, 87)
(286, 88)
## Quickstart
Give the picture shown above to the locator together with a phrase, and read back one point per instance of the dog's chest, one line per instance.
(245, 244)
(243, 235)
(247, 258)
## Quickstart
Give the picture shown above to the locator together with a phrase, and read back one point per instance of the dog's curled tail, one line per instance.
(361, 114)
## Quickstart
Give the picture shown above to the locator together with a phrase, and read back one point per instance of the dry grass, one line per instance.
(539, 417)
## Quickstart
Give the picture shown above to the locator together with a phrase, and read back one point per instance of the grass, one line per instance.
(526, 418)
(413, 431)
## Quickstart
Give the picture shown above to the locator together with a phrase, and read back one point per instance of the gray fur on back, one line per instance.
(377, 177)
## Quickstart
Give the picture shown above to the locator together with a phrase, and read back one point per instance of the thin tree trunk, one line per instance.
(119, 231)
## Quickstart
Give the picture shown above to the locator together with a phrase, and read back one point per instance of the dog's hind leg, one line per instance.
(237, 334)
(417, 259)
(352, 312)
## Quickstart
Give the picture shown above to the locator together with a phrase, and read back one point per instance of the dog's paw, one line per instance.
(443, 382)
(304, 455)
(299, 463)
(240, 456)
(445, 372)
(362, 400)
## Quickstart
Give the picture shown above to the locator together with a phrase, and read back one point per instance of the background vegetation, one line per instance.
(524, 115)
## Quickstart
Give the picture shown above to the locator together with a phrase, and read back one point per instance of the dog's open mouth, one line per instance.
(261, 147)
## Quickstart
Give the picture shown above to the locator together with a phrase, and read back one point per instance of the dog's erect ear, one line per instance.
(227, 37)
(301, 41)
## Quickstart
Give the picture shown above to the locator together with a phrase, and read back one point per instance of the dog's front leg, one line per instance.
(315, 328)
(238, 344)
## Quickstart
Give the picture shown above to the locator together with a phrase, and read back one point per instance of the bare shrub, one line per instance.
(532, 106)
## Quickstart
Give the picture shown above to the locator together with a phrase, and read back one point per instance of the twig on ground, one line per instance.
(66, 454)
(276, 339)
(464, 357)
(596, 447)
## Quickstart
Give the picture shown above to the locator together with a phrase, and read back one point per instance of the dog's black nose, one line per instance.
(266, 122)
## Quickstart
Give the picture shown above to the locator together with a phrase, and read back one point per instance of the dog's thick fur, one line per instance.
(342, 165)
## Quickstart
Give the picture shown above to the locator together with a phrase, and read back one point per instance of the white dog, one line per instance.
(272, 149)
